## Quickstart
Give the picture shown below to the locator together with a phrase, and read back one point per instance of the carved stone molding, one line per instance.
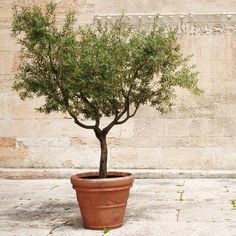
(185, 23)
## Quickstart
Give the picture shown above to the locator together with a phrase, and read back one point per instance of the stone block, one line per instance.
(193, 50)
(225, 110)
(125, 130)
(37, 142)
(93, 141)
(44, 128)
(13, 157)
(224, 87)
(146, 112)
(196, 107)
(38, 128)
(144, 128)
(7, 43)
(233, 41)
(213, 127)
(225, 98)
(83, 156)
(225, 158)
(221, 66)
(134, 157)
(177, 127)
(204, 66)
(6, 62)
(205, 53)
(219, 42)
(186, 158)
(204, 141)
(6, 82)
(173, 158)
(2, 107)
(203, 41)
(218, 54)
(161, 6)
(6, 8)
(77, 141)
(19, 109)
(7, 142)
(230, 53)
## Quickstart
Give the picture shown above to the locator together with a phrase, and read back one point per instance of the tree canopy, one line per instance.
(95, 71)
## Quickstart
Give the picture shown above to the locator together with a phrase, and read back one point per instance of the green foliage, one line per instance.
(181, 194)
(107, 70)
(106, 230)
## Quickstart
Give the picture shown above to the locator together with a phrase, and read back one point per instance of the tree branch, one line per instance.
(85, 99)
(126, 105)
(108, 127)
(76, 120)
(128, 116)
(66, 97)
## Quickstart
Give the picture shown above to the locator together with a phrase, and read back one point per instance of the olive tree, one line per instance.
(91, 72)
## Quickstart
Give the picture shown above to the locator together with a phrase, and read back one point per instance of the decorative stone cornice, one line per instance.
(185, 23)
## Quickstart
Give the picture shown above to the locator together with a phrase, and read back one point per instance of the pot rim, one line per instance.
(122, 177)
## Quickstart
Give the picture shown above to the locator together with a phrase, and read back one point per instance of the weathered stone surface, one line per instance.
(7, 142)
(2, 107)
(13, 157)
(174, 158)
(70, 157)
(155, 207)
(200, 133)
(152, 6)
(66, 173)
(6, 62)
(7, 43)
(19, 109)
(6, 82)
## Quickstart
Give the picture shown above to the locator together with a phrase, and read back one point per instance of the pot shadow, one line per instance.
(46, 212)
(67, 212)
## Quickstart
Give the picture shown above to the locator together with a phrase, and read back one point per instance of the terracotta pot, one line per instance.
(102, 202)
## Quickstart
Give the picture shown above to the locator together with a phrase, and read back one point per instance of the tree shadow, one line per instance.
(67, 213)
(49, 212)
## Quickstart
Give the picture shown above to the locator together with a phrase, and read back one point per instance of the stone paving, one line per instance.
(186, 207)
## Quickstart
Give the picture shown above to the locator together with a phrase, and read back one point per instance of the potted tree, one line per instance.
(108, 70)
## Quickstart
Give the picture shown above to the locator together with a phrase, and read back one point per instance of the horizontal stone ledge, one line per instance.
(44, 173)
(217, 23)
(167, 14)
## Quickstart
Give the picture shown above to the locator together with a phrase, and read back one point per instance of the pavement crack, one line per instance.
(54, 187)
(177, 215)
(56, 216)
(56, 227)
(181, 185)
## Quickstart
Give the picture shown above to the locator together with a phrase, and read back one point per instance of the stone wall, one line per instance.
(200, 133)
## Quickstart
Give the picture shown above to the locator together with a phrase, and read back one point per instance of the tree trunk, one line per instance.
(103, 158)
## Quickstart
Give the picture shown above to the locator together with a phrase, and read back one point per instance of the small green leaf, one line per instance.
(106, 230)
(233, 203)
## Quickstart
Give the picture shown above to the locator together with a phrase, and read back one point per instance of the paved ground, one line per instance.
(191, 207)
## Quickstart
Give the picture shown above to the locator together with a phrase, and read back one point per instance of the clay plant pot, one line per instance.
(102, 202)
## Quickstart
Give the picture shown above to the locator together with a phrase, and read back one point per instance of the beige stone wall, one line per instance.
(200, 133)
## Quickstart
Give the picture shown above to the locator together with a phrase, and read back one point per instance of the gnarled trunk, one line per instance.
(103, 157)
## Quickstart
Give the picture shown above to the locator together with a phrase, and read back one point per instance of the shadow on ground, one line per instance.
(46, 212)
(68, 213)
